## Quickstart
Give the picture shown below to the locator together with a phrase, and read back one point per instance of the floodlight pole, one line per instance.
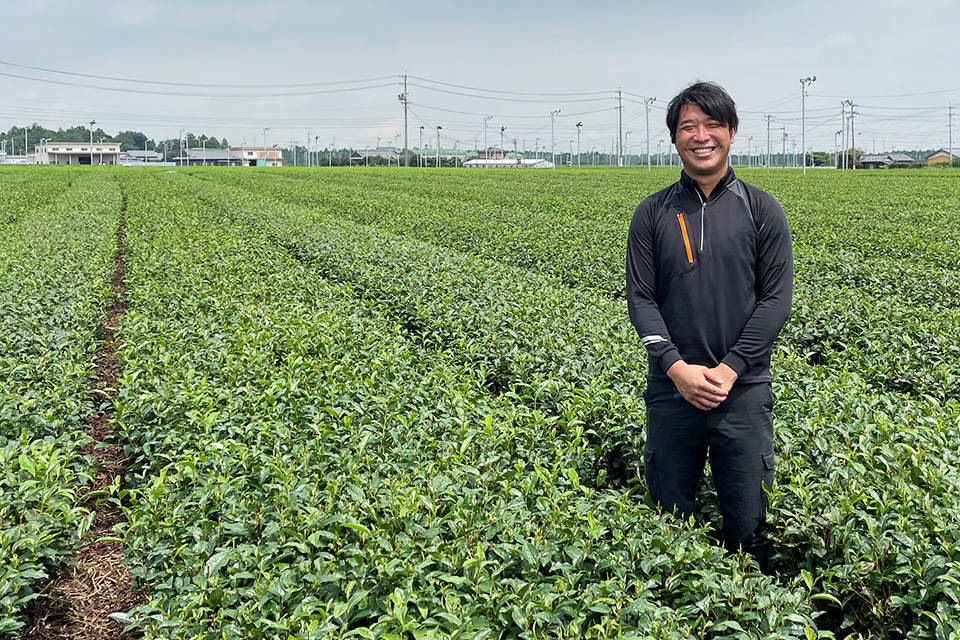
(803, 118)
(92, 122)
(749, 152)
(836, 155)
(553, 139)
(766, 164)
(438, 145)
(579, 124)
(620, 153)
(486, 146)
(646, 105)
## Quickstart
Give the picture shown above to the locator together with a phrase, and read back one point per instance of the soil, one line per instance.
(77, 604)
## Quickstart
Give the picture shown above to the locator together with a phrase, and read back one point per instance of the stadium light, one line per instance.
(803, 118)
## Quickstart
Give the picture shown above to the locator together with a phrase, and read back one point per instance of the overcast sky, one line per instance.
(500, 53)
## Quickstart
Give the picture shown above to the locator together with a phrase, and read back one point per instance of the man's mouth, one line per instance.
(703, 151)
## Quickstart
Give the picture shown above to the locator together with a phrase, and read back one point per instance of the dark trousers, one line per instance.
(738, 437)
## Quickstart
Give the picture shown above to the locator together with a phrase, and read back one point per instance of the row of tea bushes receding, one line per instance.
(892, 320)
(525, 231)
(309, 468)
(55, 263)
(836, 427)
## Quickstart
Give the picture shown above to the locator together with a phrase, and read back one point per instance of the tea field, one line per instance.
(385, 403)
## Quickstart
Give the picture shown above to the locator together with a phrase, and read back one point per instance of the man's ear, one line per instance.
(733, 134)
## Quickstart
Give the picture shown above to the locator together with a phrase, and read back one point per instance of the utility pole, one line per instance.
(486, 147)
(438, 145)
(950, 132)
(783, 152)
(853, 140)
(619, 127)
(553, 139)
(803, 118)
(502, 154)
(626, 148)
(333, 148)
(405, 100)
(420, 149)
(579, 124)
(646, 106)
(92, 122)
(766, 165)
(265, 152)
(843, 135)
(836, 156)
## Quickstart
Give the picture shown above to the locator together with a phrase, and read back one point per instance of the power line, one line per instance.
(502, 99)
(517, 93)
(196, 84)
(892, 95)
(199, 95)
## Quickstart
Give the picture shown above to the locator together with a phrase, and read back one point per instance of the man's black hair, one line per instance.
(712, 99)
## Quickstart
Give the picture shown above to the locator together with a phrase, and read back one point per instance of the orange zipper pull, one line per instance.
(686, 240)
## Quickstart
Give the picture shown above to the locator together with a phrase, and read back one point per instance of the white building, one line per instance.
(210, 158)
(257, 156)
(509, 163)
(48, 152)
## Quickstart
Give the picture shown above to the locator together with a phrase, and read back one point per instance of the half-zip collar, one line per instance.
(689, 183)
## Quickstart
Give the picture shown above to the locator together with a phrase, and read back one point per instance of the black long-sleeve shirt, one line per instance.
(710, 280)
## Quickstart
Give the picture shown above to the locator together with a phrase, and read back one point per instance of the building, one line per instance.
(508, 163)
(885, 160)
(211, 158)
(257, 156)
(49, 152)
(140, 156)
(363, 156)
(940, 156)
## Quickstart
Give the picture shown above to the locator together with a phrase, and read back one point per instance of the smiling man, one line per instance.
(709, 286)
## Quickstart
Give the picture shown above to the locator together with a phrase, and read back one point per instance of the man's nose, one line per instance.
(700, 133)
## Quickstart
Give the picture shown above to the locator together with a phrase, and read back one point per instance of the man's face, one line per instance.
(702, 142)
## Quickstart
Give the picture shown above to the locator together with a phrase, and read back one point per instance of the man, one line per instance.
(709, 286)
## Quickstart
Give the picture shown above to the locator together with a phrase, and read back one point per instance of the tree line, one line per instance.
(15, 140)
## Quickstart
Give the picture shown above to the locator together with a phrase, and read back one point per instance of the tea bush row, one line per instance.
(309, 468)
(482, 310)
(55, 261)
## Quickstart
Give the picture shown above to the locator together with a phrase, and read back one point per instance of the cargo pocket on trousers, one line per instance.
(767, 477)
(651, 473)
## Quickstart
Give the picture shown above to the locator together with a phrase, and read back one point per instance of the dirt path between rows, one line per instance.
(76, 605)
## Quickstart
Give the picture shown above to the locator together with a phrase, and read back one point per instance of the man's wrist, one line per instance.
(734, 362)
(727, 372)
(674, 370)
